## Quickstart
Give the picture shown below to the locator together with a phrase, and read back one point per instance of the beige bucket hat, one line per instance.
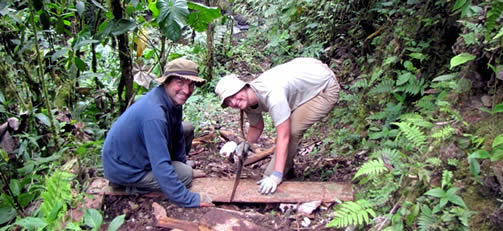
(183, 68)
(228, 86)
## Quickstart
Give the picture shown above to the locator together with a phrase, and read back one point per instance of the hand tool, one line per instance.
(242, 152)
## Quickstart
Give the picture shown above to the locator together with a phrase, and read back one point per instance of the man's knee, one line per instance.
(184, 173)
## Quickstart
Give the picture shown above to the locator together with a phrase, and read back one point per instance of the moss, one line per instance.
(477, 201)
(488, 128)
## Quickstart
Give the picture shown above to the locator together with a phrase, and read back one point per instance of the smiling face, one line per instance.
(239, 100)
(179, 89)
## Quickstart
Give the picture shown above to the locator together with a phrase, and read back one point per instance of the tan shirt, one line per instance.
(285, 87)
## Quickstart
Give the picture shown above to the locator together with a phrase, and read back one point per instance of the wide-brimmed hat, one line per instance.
(228, 86)
(182, 68)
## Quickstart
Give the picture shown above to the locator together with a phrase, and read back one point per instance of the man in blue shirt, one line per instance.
(145, 150)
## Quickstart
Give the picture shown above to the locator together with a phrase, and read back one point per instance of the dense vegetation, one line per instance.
(422, 96)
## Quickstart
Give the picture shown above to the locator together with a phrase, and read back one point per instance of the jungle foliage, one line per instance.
(409, 70)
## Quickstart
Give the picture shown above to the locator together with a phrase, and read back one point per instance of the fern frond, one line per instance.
(434, 161)
(361, 83)
(413, 87)
(371, 168)
(391, 154)
(352, 213)
(446, 178)
(425, 104)
(385, 86)
(416, 119)
(444, 133)
(55, 197)
(426, 220)
(492, 17)
(412, 133)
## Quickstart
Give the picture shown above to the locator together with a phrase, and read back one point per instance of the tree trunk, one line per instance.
(125, 60)
(209, 43)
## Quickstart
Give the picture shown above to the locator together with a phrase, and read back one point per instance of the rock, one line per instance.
(308, 208)
(306, 222)
(159, 211)
(486, 100)
(285, 207)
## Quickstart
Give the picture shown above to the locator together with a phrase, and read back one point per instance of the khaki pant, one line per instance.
(303, 118)
(184, 172)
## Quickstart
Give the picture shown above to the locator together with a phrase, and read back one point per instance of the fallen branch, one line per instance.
(171, 223)
(204, 139)
(259, 155)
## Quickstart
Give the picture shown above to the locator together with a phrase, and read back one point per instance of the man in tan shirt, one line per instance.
(296, 94)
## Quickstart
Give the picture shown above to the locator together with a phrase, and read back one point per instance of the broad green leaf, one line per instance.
(4, 155)
(116, 223)
(455, 199)
(418, 56)
(2, 98)
(474, 167)
(390, 60)
(122, 26)
(444, 77)
(497, 141)
(436, 192)
(81, 7)
(500, 33)
(7, 214)
(461, 58)
(152, 6)
(201, 16)
(31, 223)
(172, 17)
(79, 63)
(458, 4)
(99, 5)
(93, 218)
(59, 53)
(15, 187)
(43, 118)
(497, 155)
(404, 77)
(480, 154)
(25, 198)
(498, 108)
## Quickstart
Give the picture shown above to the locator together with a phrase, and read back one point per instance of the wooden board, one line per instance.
(220, 190)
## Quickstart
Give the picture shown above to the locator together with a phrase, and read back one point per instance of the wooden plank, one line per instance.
(288, 192)
(220, 190)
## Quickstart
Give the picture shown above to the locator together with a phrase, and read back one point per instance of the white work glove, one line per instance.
(269, 183)
(205, 200)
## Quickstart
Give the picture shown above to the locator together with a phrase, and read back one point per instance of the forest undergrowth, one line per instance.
(421, 98)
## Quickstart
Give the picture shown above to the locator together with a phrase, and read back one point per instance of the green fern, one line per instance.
(55, 197)
(446, 179)
(425, 104)
(371, 168)
(413, 133)
(413, 87)
(385, 86)
(434, 161)
(427, 220)
(444, 133)
(492, 17)
(416, 119)
(361, 83)
(352, 213)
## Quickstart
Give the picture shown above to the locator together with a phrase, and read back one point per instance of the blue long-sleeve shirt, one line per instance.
(147, 137)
